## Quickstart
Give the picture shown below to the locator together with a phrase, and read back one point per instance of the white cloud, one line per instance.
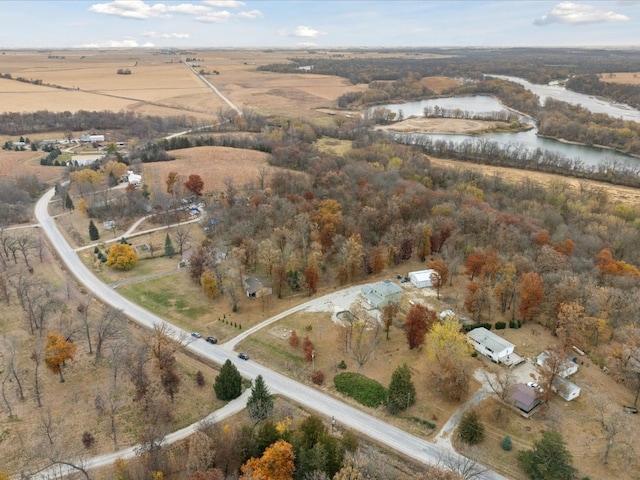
(307, 32)
(140, 10)
(215, 17)
(579, 14)
(250, 14)
(127, 43)
(165, 35)
(224, 3)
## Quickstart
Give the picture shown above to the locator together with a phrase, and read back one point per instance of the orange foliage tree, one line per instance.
(277, 463)
(609, 266)
(194, 184)
(57, 351)
(531, 295)
(121, 256)
(418, 322)
(441, 276)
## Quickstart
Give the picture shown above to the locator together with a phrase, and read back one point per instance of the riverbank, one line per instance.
(453, 126)
(604, 147)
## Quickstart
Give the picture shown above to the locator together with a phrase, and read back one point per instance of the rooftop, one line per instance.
(489, 339)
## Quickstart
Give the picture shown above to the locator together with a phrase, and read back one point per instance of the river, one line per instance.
(528, 139)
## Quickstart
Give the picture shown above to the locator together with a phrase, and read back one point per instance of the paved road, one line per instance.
(345, 415)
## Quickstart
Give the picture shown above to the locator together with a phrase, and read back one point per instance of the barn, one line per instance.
(421, 278)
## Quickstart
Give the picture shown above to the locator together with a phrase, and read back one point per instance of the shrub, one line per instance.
(507, 444)
(96, 250)
(474, 354)
(514, 324)
(294, 340)
(317, 377)
(424, 422)
(471, 430)
(364, 390)
(342, 365)
(200, 378)
(500, 325)
(88, 440)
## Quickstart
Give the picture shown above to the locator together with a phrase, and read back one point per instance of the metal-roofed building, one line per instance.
(491, 345)
(380, 294)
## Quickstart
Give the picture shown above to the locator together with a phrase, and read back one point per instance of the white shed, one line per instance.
(567, 368)
(489, 344)
(422, 278)
(134, 179)
(566, 389)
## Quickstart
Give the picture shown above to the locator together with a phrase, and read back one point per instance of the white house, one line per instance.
(566, 389)
(133, 178)
(91, 137)
(567, 368)
(491, 345)
(380, 294)
(422, 278)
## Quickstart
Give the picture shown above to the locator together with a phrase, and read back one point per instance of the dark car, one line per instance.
(243, 356)
(212, 340)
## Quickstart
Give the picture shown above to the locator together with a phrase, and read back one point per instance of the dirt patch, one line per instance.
(439, 84)
(629, 78)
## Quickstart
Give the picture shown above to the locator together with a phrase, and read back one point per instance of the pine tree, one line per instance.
(169, 251)
(260, 403)
(471, 430)
(402, 392)
(549, 459)
(93, 231)
(228, 383)
(68, 203)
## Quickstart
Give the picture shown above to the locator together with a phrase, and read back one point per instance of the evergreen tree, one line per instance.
(549, 459)
(471, 430)
(68, 204)
(93, 231)
(169, 251)
(260, 403)
(402, 392)
(228, 383)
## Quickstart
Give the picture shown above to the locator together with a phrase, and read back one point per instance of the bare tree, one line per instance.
(501, 384)
(109, 325)
(4, 394)
(365, 334)
(24, 244)
(47, 426)
(36, 357)
(551, 368)
(181, 235)
(615, 428)
(83, 309)
(10, 359)
(465, 466)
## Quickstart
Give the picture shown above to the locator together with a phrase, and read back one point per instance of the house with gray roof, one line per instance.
(381, 294)
(491, 345)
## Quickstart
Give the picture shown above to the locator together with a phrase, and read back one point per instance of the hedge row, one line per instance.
(364, 390)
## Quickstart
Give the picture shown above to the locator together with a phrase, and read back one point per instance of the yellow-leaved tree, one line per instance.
(449, 353)
(57, 351)
(277, 463)
(121, 256)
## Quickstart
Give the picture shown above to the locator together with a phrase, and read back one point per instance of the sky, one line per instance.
(317, 23)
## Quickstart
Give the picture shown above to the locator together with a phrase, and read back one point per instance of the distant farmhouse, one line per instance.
(381, 294)
(134, 179)
(91, 138)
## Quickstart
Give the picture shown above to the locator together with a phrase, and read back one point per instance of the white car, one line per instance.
(535, 386)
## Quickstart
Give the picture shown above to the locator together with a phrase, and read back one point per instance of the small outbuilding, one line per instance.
(422, 278)
(133, 178)
(255, 287)
(566, 369)
(490, 345)
(524, 397)
(381, 294)
(565, 389)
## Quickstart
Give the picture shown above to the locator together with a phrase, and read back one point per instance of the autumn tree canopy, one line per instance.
(57, 351)
(121, 256)
(194, 184)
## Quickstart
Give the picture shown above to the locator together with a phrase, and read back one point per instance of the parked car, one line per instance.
(243, 356)
(535, 386)
(212, 340)
(196, 334)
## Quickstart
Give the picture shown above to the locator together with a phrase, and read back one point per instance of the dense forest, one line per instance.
(538, 65)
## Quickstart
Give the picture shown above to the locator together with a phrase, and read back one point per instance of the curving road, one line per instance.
(345, 415)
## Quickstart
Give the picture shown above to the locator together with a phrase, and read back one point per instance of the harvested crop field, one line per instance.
(629, 78)
(13, 164)
(213, 164)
